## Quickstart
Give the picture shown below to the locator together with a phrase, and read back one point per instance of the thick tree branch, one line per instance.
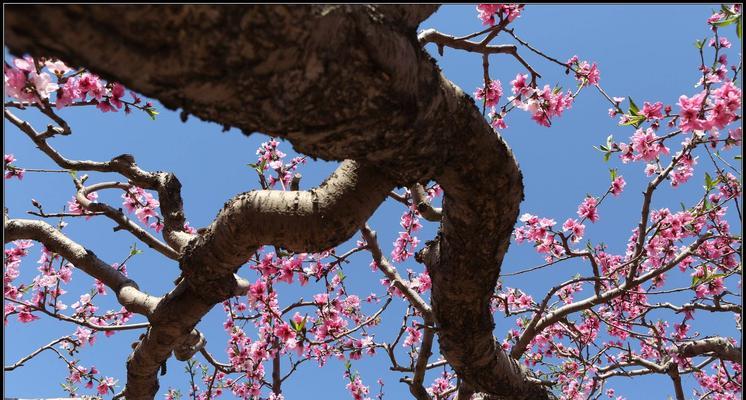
(717, 346)
(365, 90)
(329, 215)
(128, 293)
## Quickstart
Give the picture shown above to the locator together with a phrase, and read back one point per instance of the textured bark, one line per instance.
(717, 346)
(340, 82)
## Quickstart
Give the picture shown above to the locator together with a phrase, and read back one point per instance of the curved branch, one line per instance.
(166, 184)
(128, 293)
(118, 216)
(329, 215)
(717, 346)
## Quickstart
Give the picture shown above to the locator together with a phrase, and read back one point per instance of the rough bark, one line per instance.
(340, 82)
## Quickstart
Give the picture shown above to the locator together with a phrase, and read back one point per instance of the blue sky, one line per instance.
(643, 51)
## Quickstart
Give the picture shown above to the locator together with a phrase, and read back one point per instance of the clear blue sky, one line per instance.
(642, 51)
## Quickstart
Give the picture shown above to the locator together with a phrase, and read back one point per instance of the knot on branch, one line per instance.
(430, 254)
(191, 344)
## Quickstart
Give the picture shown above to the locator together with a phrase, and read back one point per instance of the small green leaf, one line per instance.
(737, 157)
(607, 156)
(708, 182)
(635, 120)
(134, 250)
(612, 173)
(633, 109)
(739, 28)
(151, 112)
(699, 44)
(609, 141)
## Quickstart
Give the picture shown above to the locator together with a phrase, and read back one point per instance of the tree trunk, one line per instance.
(339, 82)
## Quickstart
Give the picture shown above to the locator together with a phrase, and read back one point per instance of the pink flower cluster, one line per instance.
(487, 12)
(406, 242)
(73, 207)
(703, 112)
(539, 231)
(589, 209)
(357, 389)
(542, 104)
(585, 73)
(10, 170)
(144, 205)
(644, 145)
(28, 82)
(270, 157)
(490, 93)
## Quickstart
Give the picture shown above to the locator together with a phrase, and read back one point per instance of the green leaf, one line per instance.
(726, 10)
(612, 173)
(739, 27)
(601, 148)
(635, 120)
(151, 112)
(134, 250)
(609, 141)
(633, 109)
(699, 44)
(727, 21)
(737, 157)
(607, 156)
(341, 275)
(708, 182)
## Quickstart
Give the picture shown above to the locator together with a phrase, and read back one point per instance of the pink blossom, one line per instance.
(57, 67)
(491, 93)
(587, 209)
(70, 93)
(105, 385)
(25, 315)
(85, 335)
(689, 113)
(647, 145)
(652, 111)
(414, 336)
(617, 186)
(284, 332)
(576, 228)
(357, 389)
(519, 86)
(90, 84)
(43, 83)
(25, 64)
